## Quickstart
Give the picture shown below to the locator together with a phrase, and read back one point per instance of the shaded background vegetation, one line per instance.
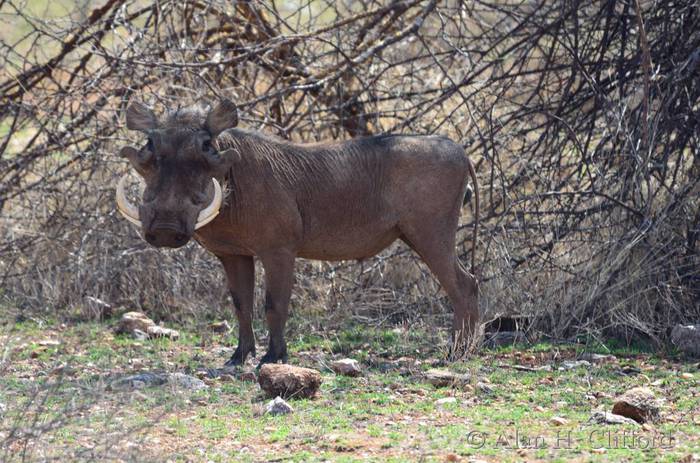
(581, 117)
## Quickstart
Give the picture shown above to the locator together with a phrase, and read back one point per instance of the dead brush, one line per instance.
(588, 160)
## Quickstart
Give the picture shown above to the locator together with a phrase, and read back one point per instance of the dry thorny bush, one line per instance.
(582, 119)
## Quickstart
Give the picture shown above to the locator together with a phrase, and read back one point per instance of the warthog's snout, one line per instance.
(165, 236)
(166, 232)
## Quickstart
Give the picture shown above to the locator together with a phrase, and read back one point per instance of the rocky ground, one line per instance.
(84, 392)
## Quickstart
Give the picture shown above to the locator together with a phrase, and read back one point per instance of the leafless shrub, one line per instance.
(581, 117)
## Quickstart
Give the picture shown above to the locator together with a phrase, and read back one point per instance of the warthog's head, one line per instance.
(179, 164)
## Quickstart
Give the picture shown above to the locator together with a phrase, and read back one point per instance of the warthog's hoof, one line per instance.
(239, 356)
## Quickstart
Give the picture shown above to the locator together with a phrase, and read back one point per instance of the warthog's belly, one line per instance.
(358, 244)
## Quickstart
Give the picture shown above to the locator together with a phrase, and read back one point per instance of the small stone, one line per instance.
(226, 378)
(184, 381)
(3, 409)
(278, 406)
(484, 388)
(288, 381)
(599, 451)
(687, 339)
(346, 367)
(445, 378)
(603, 417)
(134, 320)
(49, 343)
(638, 403)
(161, 332)
(220, 327)
(139, 335)
(138, 381)
(597, 358)
(687, 375)
(558, 421)
(446, 400)
(451, 457)
(570, 365)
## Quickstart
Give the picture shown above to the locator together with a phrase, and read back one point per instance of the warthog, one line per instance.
(283, 200)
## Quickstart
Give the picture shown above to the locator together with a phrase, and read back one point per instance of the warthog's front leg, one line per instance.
(279, 279)
(240, 273)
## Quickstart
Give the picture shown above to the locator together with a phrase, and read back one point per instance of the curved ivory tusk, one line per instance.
(206, 215)
(212, 210)
(128, 210)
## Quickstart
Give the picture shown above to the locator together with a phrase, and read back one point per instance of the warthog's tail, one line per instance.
(472, 174)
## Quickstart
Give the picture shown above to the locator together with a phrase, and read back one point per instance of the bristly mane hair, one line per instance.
(189, 118)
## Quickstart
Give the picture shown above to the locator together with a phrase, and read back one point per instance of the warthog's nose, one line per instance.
(166, 237)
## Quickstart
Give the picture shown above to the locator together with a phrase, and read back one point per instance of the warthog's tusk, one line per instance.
(127, 209)
(206, 215)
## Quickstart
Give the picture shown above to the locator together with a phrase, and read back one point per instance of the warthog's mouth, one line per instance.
(131, 212)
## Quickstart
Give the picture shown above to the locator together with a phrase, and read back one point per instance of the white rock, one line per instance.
(597, 358)
(445, 378)
(558, 421)
(446, 400)
(570, 365)
(346, 367)
(161, 332)
(49, 343)
(687, 338)
(138, 381)
(134, 320)
(484, 388)
(278, 406)
(603, 417)
(184, 381)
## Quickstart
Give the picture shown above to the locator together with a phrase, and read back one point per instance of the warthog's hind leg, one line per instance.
(438, 252)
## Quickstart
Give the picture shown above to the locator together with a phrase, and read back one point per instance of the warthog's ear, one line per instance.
(222, 117)
(140, 117)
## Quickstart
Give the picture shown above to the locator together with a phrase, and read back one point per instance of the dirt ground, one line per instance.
(519, 403)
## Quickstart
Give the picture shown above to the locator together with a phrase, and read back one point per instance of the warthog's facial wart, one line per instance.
(179, 164)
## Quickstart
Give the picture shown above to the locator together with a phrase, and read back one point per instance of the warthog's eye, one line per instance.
(149, 145)
(207, 146)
